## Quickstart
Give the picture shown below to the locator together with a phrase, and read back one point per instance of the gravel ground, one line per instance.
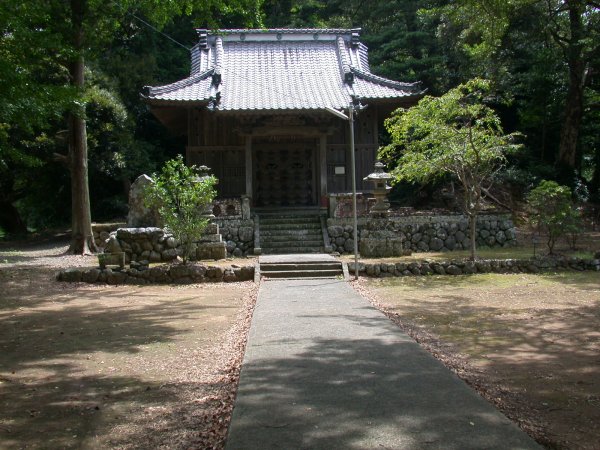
(95, 366)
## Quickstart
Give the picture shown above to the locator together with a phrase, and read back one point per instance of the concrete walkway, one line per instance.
(325, 370)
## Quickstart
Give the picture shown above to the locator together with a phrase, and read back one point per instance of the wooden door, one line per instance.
(284, 174)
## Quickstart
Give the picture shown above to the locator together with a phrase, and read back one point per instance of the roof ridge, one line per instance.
(384, 81)
(178, 84)
(281, 30)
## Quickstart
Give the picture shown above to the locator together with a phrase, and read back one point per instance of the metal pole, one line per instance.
(353, 164)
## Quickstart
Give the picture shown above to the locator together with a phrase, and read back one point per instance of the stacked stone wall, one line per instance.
(238, 235)
(101, 232)
(161, 274)
(153, 244)
(466, 267)
(419, 233)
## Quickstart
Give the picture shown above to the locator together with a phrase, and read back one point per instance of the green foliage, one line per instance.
(552, 211)
(456, 134)
(181, 198)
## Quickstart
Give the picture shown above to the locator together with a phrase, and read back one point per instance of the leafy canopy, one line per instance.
(455, 134)
(181, 198)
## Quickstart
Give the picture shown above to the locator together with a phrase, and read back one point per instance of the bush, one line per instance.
(181, 198)
(552, 212)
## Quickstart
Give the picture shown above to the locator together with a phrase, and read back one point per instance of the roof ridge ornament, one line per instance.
(202, 37)
(343, 58)
(216, 78)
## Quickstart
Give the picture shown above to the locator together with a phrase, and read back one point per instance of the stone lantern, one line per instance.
(204, 172)
(379, 178)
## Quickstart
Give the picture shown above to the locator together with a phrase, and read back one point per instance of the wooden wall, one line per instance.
(218, 141)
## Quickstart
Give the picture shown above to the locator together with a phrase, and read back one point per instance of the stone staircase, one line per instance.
(300, 266)
(291, 233)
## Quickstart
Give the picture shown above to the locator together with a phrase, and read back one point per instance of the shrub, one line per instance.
(552, 212)
(181, 198)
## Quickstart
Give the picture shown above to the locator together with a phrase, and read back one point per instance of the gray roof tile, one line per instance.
(279, 69)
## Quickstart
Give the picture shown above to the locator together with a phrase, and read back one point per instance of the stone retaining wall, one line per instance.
(179, 274)
(419, 233)
(153, 244)
(102, 232)
(238, 235)
(463, 267)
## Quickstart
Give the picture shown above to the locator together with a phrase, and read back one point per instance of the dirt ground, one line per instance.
(529, 343)
(84, 366)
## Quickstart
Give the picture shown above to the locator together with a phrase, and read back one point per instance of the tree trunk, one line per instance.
(473, 235)
(574, 104)
(82, 239)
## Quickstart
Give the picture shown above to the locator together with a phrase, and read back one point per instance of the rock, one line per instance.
(439, 269)
(112, 245)
(500, 237)
(470, 267)
(490, 241)
(484, 233)
(139, 215)
(90, 276)
(436, 244)
(449, 243)
(170, 242)
(238, 253)
(170, 254)
(154, 257)
(422, 246)
(230, 246)
(159, 274)
(115, 277)
(416, 237)
(197, 272)
(214, 273)
(246, 234)
(247, 273)
(229, 276)
(70, 275)
(335, 231)
(179, 271)
(460, 236)
(400, 267)
(349, 246)
(453, 269)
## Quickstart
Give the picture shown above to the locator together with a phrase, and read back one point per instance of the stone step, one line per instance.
(291, 243)
(279, 237)
(284, 250)
(333, 273)
(289, 226)
(283, 220)
(277, 267)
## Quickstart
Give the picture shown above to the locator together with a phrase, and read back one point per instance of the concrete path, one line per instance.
(325, 370)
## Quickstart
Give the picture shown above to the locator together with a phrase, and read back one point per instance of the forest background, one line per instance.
(542, 57)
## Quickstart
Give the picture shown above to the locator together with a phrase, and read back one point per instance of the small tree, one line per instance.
(181, 198)
(454, 134)
(552, 211)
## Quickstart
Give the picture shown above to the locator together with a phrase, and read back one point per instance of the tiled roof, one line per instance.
(279, 69)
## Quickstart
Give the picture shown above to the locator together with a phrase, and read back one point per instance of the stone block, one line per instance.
(246, 234)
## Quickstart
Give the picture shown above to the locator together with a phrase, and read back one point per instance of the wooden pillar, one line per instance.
(248, 155)
(323, 164)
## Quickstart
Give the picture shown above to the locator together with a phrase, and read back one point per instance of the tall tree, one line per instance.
(456, 134)
(573, 25)
(81, 29)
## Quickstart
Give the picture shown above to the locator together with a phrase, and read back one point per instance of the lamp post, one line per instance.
(350, 119)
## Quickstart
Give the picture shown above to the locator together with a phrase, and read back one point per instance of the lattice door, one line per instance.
(284, 175)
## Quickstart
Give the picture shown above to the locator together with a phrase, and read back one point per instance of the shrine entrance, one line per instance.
(285, 173)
